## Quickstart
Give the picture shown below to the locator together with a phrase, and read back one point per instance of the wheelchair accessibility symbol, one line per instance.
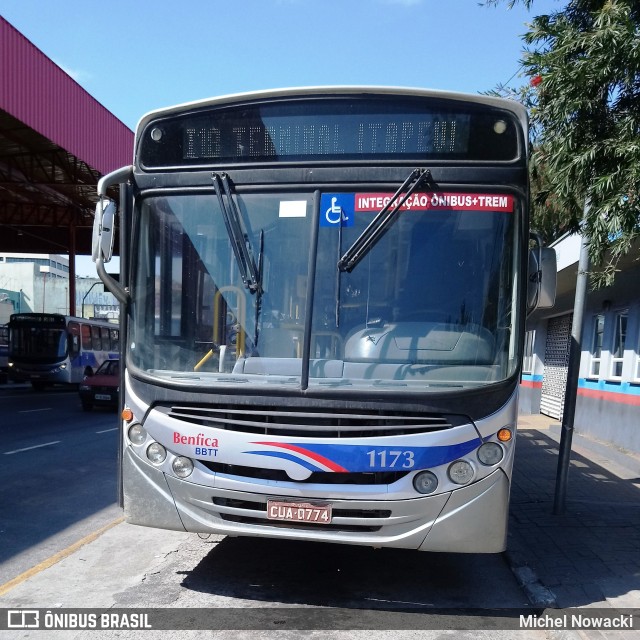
(336, 209)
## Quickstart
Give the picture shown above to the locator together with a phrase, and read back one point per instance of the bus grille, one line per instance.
(317, 423)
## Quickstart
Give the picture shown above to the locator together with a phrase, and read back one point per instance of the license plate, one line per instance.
(298, 512)
(102, 396)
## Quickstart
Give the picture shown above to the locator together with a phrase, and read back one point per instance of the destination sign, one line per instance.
(330, 136)
(38, 318)
(338, 129)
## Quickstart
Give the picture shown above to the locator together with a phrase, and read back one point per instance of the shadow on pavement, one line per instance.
(296, 572)
(591, 553)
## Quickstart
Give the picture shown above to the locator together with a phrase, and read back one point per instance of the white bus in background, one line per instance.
(50, 348)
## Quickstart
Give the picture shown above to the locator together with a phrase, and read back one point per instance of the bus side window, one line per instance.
(86, 337)
(74, 339)
(104, 334)
(96, 342)
(115, 337)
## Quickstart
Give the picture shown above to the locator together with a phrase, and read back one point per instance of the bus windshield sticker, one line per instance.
(344, 206)
(497, 203)
(336, 208)
(293, 209)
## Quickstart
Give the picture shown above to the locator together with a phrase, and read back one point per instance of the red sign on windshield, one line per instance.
(500, 203)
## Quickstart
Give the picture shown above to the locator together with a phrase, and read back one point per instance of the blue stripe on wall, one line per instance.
(610, 386)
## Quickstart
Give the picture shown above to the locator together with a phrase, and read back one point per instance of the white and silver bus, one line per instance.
(324, 293)
(51, 348)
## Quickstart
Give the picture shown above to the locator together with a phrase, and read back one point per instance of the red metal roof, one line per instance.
(36, 91)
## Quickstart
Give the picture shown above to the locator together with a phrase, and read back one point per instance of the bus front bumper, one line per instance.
(472, 519)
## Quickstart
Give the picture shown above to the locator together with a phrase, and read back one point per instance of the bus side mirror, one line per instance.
(103, 230)
(541, 290)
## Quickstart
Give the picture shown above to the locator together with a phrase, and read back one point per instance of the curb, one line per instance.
(537, 594)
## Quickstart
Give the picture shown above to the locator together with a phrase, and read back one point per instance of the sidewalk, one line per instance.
(590, 555)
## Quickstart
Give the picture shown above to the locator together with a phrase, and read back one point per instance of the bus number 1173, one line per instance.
(391, 458)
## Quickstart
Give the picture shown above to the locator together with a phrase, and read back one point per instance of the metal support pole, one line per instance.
(573, 373)
(72, 268)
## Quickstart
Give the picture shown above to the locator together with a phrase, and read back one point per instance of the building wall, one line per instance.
(608, 405)
(35, 291)
(54, 264)
(19, 279)
(608, 394)
(609, 411)
(6, 309)
(531, 383)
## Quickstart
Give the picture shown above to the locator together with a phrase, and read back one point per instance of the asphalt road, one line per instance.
(58, 481)
(58, 470)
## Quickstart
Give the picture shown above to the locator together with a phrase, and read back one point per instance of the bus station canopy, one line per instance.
(56, 141)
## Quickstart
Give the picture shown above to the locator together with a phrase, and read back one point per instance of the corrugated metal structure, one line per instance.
(556, 365)
(41, 95)
(56, 141)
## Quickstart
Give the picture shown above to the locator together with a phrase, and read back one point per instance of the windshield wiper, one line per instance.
(381, 223)
(238, 235)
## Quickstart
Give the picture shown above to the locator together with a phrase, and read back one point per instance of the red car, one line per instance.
(103, 387)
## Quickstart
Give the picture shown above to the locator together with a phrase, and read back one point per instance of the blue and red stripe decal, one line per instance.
(350, 458)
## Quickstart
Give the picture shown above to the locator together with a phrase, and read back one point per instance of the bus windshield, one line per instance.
(431, 305)
(38, 342)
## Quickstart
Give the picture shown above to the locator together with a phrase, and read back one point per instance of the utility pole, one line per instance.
(88, 292)
(44, 289)
(573, 374)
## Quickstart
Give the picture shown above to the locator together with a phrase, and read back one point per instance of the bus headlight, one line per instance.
(156, 453)
(182, 466)
(137, 433)
(490, 453)
(461, 472)
(425, 482)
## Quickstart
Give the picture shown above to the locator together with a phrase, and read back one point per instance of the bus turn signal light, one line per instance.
(504, 435)
(127, 414)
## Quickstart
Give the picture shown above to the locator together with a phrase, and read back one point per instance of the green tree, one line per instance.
(583, 62)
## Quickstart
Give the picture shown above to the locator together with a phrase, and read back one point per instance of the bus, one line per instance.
(324, 294)
(51, 348)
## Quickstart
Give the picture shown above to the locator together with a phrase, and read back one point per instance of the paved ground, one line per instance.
(589, 556)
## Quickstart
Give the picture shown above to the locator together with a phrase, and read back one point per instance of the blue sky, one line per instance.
(138, 55)
(134, 56)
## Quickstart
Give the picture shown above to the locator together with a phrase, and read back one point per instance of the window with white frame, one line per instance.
(527, 358)
(619, 339)
(596, 346)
